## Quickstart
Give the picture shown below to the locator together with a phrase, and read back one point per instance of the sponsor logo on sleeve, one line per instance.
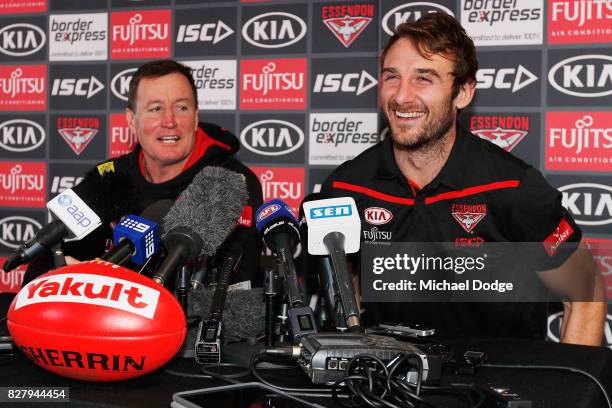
(246, 217)
(561, 234)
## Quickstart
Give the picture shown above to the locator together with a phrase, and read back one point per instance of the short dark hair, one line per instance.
(155, 69)
(440, 33)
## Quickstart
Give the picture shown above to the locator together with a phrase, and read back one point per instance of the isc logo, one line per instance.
(332, 211)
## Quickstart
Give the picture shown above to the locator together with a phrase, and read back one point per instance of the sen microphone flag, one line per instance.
(332, 215)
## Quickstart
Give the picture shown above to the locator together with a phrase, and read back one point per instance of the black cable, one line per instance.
(187, 375)
(559, 368)
(230, 376)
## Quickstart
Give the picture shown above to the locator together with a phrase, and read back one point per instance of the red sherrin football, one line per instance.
(96, 321)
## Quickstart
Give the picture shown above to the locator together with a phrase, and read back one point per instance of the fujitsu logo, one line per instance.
(25, 182)
(17, 229)
(135, 31)
(279, 189)
(581, 11)
(269, 80)
(91, 289)
(15, 84)
(21, 39)
(582, 136)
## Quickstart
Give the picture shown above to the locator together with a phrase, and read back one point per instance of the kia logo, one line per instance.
(18, 40)
(15, 230)
(120, 84)
(21, 135)
(410, 12)
(377, 215)
(589, 203)
(272, 137)
(590, 74)
(274, 30)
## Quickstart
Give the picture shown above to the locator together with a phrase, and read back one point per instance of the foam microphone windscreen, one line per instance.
(209, 206)
(110, 195)
(244, 314)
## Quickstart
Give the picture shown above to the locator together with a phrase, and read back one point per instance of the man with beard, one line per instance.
(432, 181)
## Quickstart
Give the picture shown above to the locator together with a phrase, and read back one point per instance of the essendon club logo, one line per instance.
(505, 131)
(468, 215)
(23, 87)
(121, 141)
(105, 291)
(23, 184)
(140, 34)
(579, 141)
(273, 84)
(586, 21)
(284, 183)
(346, 22)
(561, 234)
(22, 6)
(78, 131)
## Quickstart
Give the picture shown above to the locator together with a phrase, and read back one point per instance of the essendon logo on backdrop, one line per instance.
(23, 87)
(586, 21)
(121, 141)
(140, 34)
(285, 183)
(273, 84)
(23, 184)
(78, 131)
(11, 282)
(579, 141)
(505, 131)
(347, 21)
(91, 289)
(22, 6)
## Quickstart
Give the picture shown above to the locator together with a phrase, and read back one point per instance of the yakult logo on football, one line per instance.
(23, 87)
(354, 82)
(589, 203)
(15, 230)
(22, 184)
(514, 79)
(274, 30)
(411, 11)
(21, 135)
(92, 290)
(21, 39)
(583, 21)
(273, 84)
(584, 76)
(579, 141)
(210, 32)
(284, 183)
(272, 137)
(141, 34)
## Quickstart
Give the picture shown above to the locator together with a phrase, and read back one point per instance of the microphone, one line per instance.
(324, 270)
(98, 199)
(279, 230)
(333, 229)
(137, 238)
(201, 218)
(208, 340)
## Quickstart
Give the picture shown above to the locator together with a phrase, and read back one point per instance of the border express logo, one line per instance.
(346, 22)
(468, 215)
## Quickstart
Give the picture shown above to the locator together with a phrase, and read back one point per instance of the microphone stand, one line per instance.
(270, 290)
(183, 285)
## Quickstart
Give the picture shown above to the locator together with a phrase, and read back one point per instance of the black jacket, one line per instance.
(220, 152)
